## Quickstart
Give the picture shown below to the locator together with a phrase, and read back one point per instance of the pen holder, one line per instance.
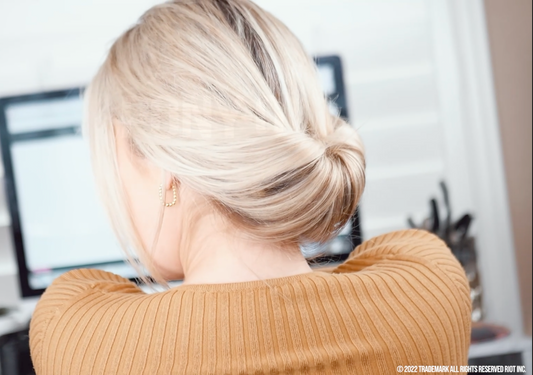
(465, 252)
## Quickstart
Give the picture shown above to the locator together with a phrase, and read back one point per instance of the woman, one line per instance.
(217, 157)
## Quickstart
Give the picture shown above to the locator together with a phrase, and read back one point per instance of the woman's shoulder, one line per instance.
(401, 255)
(414, 282)
(412, 268)
(76, 283)
(73, 290)
(415, 246)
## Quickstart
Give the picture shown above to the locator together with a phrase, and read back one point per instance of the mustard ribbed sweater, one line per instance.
(400, 299)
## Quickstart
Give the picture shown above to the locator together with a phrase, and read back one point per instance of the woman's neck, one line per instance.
(221, 259)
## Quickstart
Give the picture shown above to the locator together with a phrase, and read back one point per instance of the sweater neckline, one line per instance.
(250, 285)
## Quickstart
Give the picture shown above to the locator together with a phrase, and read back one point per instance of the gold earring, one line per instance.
(174, 198)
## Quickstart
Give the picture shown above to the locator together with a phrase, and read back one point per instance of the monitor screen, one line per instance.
(57, 222)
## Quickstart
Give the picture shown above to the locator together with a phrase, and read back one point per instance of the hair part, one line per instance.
(222, 95)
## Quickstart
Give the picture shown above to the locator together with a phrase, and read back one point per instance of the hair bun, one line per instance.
(342, 170)
(343, 134)
(313, 202)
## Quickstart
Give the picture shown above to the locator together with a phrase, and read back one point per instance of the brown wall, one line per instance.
(509, 27)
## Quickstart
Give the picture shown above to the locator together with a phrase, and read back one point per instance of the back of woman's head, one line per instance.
(221, 94)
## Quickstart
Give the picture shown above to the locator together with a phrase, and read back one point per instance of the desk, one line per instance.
(18, 319)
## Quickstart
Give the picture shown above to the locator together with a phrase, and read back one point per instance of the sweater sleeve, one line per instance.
(421, 266)
(60, 293)
(412, 245)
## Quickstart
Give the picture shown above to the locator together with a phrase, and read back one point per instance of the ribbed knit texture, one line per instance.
(400, 299)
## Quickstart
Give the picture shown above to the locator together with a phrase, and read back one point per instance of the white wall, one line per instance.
(56, 44)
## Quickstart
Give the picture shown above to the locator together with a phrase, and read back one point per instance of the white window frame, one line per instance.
(473, 150)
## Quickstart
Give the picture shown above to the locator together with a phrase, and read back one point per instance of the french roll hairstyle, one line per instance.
(222, 95)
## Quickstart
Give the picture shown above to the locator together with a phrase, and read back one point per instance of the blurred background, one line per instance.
(440, 90)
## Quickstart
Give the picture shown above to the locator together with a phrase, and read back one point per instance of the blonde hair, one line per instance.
(222, 95)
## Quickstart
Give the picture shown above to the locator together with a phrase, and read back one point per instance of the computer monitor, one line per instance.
(57, 222)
